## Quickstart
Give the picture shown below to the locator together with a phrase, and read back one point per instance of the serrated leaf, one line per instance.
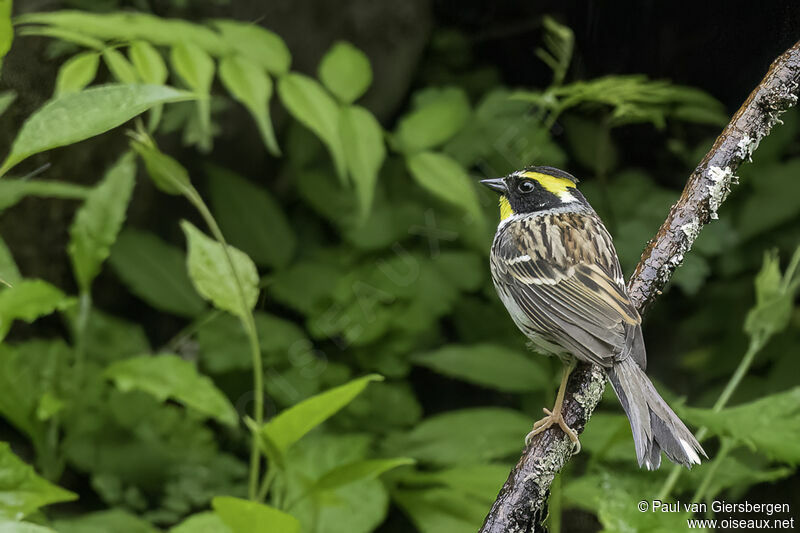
(22, 492)
(438, 115)
(77, 72)
(104, 522)
(97, 223)
(345, 71)
(155, 272)
(774, 299)
(243, 516)
(28, 300)
(120, 67)
(292, 424)
(444, 178)
(313, 107)
(358, 471)
(249, 84)
(167, 376)
(771, 424)
(251, 218)
(211, 274)
(466, 436)
(196, 68)
(260, 45)
(364, 152)
(489, 365)
(99, 108)
(147, 62)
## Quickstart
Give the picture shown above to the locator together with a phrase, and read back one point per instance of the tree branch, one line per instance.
(521, 505)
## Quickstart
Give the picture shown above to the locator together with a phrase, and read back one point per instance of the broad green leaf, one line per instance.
(6, 99)
(251, 218)
(243, 516)
(481, 480)
(6, 28)
(22, 492)
(155, 272)
(28, 300)
(120, 67)
(12, 526)
(249, 84)
(770, 425)
(14, 190)
(358, 471)
(167, 174)
(109, 338)
(451, 438)
(313, 107)
(438, 115)
(364, 152)
(98, 221)
(207, 522)
(291, 425)
(115, 520)
(9, 272)
(78, 72)
(148, 62)
(490, 365)
(196, 68)
(733, 473)
(129, 26)
(774, 299)
(63, 34)
(99, 108)
(444, 178)
(258, 44)
(235, 291)
(167, 376)
(345, 71)
(441, 510)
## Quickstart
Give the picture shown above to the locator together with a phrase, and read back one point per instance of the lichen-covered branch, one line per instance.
(521, 505)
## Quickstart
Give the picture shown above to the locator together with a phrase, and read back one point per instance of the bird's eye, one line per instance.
(525, 187)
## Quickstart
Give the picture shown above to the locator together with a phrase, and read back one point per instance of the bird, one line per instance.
(555, 268)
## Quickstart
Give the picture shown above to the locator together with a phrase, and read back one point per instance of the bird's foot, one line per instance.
(554, 417)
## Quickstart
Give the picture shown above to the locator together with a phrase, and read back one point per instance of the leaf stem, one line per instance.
(81, 325)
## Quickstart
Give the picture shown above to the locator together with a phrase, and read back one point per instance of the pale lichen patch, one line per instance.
(691, 229)
(718, 189)
(746, 146)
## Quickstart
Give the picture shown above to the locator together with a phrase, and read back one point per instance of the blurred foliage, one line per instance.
(351, 291)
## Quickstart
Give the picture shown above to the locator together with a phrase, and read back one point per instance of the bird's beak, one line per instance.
(496, 184)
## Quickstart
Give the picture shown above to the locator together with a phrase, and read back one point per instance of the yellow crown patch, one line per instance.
(550, 183)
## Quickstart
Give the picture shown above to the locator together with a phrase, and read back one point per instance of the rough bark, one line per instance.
(521, 505)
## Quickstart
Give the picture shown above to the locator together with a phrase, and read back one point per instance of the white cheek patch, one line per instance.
(566, 197)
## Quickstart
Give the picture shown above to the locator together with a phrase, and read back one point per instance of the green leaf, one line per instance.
(196, 68)
(313, 107)
(256, 43)
(100, 108)
(774, 299)
(451, 438)
(251, 218)
(358, 471)
(78, 72)
(243, 516)
(250, 85)
(29, 300)
(489, 365)
(98, 221)
(364, 152)
(6, 98)
(771, 425)
(444, 178)
(291, 425)
(13, 526)
(9, 272)
(440, 510)
(345, 71)
(14, 190)
(438, 115)
(167, 174)
(482, 481)
(155, 272)
(147, 62)
(167, 376)
(103, 522)
(557, 54)
(22, 492)
(119, 66)
(207, 522)
(6, 28)
(235, 291)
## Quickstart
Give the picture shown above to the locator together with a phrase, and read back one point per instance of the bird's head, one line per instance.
(535, 189)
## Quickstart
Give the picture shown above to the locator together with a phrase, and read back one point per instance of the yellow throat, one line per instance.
(505, 208)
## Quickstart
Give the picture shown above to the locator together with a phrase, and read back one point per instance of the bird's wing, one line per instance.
(565, 278)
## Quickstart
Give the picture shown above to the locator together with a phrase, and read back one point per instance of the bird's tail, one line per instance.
(655, 426)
